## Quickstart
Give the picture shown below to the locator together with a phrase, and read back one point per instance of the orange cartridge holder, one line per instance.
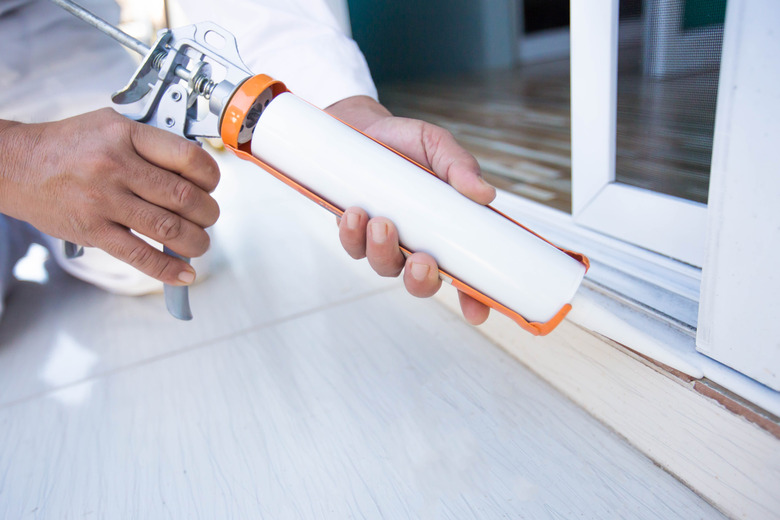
(234, 121)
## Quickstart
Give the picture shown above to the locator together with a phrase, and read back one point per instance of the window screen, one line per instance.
(668, 67)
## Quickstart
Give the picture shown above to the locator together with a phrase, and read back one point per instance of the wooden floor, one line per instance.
(518, 124)
(305, 388)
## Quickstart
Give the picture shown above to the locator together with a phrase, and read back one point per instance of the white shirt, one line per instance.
(296, 41)
(53, 65)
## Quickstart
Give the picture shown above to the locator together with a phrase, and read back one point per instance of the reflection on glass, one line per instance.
(668, 66)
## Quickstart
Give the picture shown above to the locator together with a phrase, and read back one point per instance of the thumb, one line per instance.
(450, 162)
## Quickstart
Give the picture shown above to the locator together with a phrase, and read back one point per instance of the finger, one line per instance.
(173, 192)
(179, 234)
(120, 243)
(176, 154)
(352, 232)
(475, 312)
(455, 165)
(382, 247)
(421, 275)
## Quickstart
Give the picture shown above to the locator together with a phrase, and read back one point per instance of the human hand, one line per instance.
(91, 179)
(376, 238)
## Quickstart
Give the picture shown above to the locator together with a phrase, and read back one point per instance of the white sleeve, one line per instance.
(298, 42)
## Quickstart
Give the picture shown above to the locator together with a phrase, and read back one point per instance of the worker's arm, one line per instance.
(376, 238)
(91, 178)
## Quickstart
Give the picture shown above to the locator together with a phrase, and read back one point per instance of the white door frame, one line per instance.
(738, 315)
(668, 225)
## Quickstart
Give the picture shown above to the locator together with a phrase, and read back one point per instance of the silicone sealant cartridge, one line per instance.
(479, 250)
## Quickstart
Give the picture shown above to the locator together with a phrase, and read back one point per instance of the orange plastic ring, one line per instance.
(240, 103)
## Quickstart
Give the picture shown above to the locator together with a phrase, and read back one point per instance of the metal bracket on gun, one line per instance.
(172, 117)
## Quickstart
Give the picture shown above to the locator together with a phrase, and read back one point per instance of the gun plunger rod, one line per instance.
(105, 27)
(204, 86)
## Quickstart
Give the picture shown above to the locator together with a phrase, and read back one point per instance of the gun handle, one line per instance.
(177, 298)
(73, 250)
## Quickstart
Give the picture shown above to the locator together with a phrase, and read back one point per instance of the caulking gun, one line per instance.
(192, 82)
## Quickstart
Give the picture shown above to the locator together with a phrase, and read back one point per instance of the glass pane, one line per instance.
(668, 67)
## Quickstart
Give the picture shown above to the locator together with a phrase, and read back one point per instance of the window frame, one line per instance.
(669, 225)
(738, 323)
(638, 294)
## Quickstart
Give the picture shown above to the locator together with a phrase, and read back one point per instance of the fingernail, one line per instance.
(379, 232)
(420, 271)
(352, 221)
(187, 277)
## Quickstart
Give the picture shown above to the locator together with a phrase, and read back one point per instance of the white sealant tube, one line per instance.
(468, 240)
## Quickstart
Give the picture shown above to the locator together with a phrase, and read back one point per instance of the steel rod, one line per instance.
(105, 27)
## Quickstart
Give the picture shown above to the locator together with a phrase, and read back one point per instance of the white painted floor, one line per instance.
(306, 387)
